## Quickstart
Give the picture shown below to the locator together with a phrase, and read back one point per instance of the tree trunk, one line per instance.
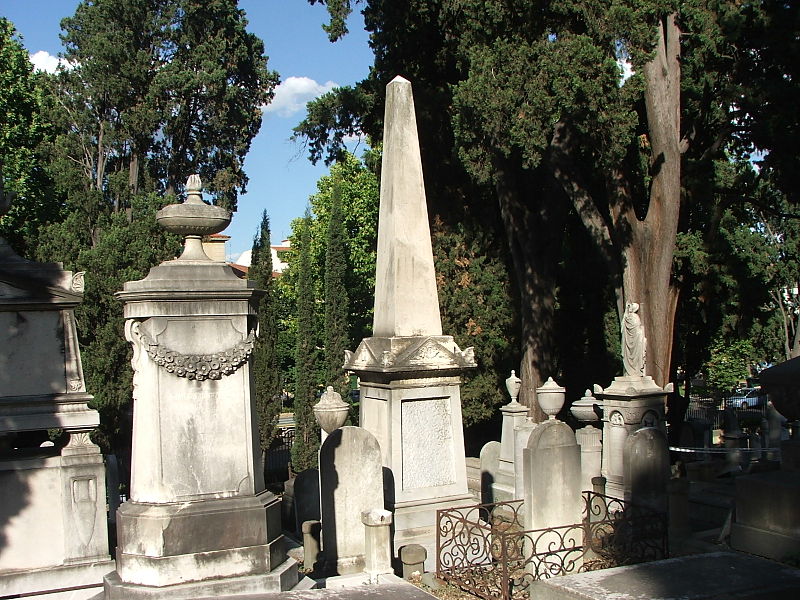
(133, 173)
(647, 259)
(533, 230)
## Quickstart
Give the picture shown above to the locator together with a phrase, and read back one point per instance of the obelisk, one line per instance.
(409, 371)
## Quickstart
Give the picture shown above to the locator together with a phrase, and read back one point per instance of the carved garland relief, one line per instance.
(197, 366)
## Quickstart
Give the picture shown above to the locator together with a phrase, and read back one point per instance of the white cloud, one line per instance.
(44, 61)
(627, 69)
(291, 95)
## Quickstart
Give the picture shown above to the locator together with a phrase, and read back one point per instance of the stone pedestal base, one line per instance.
(284, 577)
(77, 581)
(176, 543)
(629, 404)
(54, 533)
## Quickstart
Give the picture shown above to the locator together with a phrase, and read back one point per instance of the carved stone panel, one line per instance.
(427, 442)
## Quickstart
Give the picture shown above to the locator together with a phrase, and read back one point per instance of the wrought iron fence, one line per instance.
(486, 550)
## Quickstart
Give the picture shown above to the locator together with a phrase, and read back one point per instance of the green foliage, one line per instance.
(160, 89)
(473, 286)
(306, 441)
(266, 376)
(337, 338)
(729, 363)
(22, 129)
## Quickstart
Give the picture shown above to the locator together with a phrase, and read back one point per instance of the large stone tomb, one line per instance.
(199, 520)
(53, 527)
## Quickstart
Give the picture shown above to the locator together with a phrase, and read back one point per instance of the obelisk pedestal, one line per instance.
(409, 370)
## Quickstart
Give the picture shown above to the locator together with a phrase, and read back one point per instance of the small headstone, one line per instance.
(647, 470)
(306, 497)
(490, 465)
(590, 439)
(351, 477)
(413, 558)
(552, 477)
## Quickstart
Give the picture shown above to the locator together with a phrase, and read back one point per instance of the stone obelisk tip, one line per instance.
(406, 300)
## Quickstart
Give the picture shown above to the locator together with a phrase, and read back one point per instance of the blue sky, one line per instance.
(281, 177)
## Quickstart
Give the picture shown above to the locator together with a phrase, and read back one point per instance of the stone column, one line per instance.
(409, 370)
(199, 515)
(514, 415)
(377, 543)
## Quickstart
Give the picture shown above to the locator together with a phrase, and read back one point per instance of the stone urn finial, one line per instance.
(331, 411)
(550, 397)
(513, 385)
(585, 409)
(193, 219)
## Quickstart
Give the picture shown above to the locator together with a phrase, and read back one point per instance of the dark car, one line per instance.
(747, 398)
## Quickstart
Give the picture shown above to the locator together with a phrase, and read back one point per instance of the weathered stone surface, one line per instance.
(646, 457)
(378, 542)
(410, 395)
(552, 477)
(351, 478)
(590, 440)
(52, 502)
(490, 466)
(767, 519)
(695, 577)
(199, 516)
(406, 301)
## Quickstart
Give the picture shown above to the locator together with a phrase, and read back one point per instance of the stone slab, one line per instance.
(713, 576)
(390, 587)
(76, 578)
(281, 578)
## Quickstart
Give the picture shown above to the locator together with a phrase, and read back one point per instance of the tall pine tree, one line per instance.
(336, 300)
(306, 441)
(266, 376)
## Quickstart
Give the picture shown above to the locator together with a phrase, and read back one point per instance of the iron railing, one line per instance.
(485, 549)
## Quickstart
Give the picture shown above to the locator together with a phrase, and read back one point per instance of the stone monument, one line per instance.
(351, 482)
(199, 521)
(514, 416)
(53, 528)
(409, 370)
(631, 402)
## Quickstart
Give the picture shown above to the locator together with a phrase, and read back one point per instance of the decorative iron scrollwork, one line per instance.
(198, 366)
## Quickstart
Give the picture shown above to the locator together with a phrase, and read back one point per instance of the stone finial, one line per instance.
(331, 411)
(550, 397)
(193, 219)
(513, 385)
(406, 299)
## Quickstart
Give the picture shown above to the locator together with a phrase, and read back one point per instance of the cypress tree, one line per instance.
(336, 300)
(266, 376)
(306, 441)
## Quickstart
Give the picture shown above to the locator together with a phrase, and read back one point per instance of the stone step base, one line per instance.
(285, 577)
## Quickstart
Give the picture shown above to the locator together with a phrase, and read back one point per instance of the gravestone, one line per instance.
(351, 479)
(199, 521)
(647, 469)
(522, 434)
(409, 370)
(490, 462)
(590, 439)
(306, 497)
(552, 479)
